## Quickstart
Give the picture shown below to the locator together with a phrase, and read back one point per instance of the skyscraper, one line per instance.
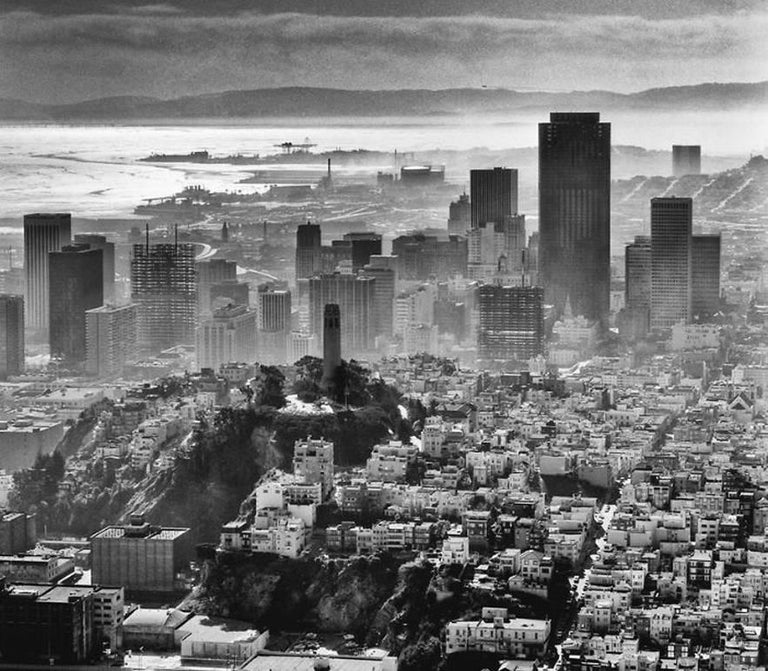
(43, 233)
(11, 335)
(76, 285)
(110, 336)
(575, 212)
(226, 292)
(308, 250)
(331, 346)
(686, 159)
(355, 297)
(108, 254)
(227, 336)
(671, 221)
(210, 273)
(459, 216)
(493, 195)
(363, 246)
(705, 275)
(163, 287)
(637, 267)
(511, 323)
(383, 297)
(274, 324)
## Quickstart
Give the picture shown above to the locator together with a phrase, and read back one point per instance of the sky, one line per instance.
(58, 51)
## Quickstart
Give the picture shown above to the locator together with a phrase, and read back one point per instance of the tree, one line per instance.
(270, 387)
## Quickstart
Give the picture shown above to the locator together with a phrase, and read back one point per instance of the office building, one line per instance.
(43, 233)
(420, 256)
(364, 245)
(163, 287)
(227, 336)
(493, 195)
(108, 257)
(110, 339)
(308, 250)
(274, 324)
(331, 347)
(140, 557)
(637, 269)
(497, 248)
(705, 275)
(355, 297)
(686, 159)
(459, 216)
(575, 213)
(671, 221)
(11, 335)
(209, 274)
(76, 286)
(313, 463)
(383, 297)
(511, 326)
(18, 533)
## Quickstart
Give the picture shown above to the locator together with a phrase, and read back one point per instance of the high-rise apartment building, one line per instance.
(671, 222)
(108, 257)
(364, 245)
(308, 250)
(209, 274)
(493, 195)
(43, 233)
(313, 461)
(110, 336)
(575, 213)
(459, 216)
(705, 275)
(76, 286)
(164, 289)
(686, 159)
(227, 336)
(511, 324)
(355, 297)
(11, 335)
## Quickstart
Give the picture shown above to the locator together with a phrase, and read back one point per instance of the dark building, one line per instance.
(637, 267)
(451, 317)
(274, 309)
(210, 273)
(108, 256)
(331, 346)
(383, 298)
(364, 245)
(705, 275)
(164, 289)
(76, 286)
(308, 250)
(228, 292)
(420, 256)
(339, 252)
(511, 323)
(459, 216)
(575, 213)
(11, 335)
(46, 625)
(493, 195)
(686, 159)
(671, 221)
(18, 533)
(43, 233)
(355, 297)
(422, 175)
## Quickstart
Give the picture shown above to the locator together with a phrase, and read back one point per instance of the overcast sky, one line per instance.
(68, 50)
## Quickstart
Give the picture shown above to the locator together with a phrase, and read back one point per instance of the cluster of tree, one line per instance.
(35, 489)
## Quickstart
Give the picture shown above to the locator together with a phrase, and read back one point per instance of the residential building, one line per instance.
(110, 339)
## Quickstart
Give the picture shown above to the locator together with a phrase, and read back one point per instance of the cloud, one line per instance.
(156, 50)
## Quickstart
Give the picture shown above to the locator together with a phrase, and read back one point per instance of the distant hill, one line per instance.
(314, 102)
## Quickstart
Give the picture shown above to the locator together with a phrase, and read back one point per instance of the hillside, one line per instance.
(313, 102)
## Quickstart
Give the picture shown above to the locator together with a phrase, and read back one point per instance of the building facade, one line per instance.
(110, 339)
(511, 324)
(705, 275)
(11, 335)
(228, 336)
(493, 195)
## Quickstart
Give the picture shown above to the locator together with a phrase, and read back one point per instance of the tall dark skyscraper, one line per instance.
(575, 212)
(671, 221)
(637, 266)
(76, 286)
(364, 245)
(686, 159)
(108, 252)
(43, 233)
(511, 323)
(492, 195)
(163, 287)
(308, 250)
(11, 335)
(705, 275)
(331, 345)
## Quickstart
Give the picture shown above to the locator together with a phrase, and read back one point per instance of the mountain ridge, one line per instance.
(297, 101)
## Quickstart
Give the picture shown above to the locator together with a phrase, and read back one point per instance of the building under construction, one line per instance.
(164, 289)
